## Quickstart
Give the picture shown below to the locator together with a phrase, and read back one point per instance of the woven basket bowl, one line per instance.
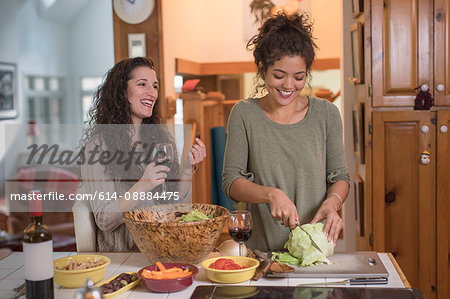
(162, 238)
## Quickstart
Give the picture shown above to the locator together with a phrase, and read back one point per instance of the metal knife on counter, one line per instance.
(352, 281)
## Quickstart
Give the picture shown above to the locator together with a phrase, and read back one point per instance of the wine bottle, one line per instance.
(38, 253)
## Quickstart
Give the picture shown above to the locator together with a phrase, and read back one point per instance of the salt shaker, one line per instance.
(89, 291)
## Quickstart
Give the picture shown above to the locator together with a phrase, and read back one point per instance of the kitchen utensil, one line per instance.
(352, 281)
(344, 265)
(89, 291)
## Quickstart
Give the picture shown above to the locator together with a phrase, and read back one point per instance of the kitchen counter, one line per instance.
(11, 276)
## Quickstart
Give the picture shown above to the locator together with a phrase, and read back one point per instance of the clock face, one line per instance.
(134, 11)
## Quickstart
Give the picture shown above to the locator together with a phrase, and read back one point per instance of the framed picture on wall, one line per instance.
(357, 7)
(357, 41)
(8, 97)
(358, 132)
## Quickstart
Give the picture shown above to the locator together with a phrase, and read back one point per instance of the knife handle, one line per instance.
(368, 280)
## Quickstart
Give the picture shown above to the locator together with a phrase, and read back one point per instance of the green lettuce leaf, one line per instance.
(285, 258)
(195, 215)
(301, 248)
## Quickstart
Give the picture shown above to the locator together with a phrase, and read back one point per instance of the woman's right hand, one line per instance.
(283, 209)
(153, 176)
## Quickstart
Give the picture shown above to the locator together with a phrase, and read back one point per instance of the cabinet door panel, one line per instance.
(443, 205)
(404, 194)
(401, 44)
(442, 48)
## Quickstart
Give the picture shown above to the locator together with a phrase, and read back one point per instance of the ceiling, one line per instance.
(61, 11)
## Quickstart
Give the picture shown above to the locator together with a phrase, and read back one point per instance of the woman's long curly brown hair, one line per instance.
(110, 117)
(111, 105)
(282, 35)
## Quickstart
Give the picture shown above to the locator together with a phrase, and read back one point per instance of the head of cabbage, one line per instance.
(301, 250)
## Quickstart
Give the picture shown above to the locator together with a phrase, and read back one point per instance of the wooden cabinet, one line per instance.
(407, 44)
(404, 201)
(442, 52)
(410, 47)
(443, 203)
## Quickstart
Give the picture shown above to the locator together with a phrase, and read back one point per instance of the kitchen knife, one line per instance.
(353, 281)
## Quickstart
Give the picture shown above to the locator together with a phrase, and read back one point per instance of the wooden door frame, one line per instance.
(443, 204)
(441, 55)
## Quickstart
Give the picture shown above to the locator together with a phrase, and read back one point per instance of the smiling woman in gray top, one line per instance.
(284, 154)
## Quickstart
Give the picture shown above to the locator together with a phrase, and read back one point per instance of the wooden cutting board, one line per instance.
(361, 264)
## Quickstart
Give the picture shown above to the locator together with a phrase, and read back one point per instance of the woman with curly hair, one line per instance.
(122, 131)
(284, 155)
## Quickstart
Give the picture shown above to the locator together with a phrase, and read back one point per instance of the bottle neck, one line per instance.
(36, 219)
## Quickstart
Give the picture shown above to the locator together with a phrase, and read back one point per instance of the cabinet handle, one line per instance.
(443, 129)
(390, 197)
(440, 87)
(424, 87)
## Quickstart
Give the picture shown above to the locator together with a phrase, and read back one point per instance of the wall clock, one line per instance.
(133, 11)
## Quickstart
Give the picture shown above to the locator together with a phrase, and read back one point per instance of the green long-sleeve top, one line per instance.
(302, 159)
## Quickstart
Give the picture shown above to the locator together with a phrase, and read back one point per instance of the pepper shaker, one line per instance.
(89, 291)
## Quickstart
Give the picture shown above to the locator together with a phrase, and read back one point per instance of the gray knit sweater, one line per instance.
(302, 159)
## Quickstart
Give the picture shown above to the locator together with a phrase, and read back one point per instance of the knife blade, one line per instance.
(312, 240)
(352, 281)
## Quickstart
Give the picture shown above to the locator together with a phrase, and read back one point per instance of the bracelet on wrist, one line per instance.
(338, 196)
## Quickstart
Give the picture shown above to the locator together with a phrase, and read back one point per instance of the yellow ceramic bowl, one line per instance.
(77, 278)
(231, 276)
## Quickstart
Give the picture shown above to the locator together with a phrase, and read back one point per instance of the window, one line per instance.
(44, 100)
(88, 87)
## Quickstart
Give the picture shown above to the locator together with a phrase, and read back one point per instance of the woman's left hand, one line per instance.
(334, 223)
(198, 152)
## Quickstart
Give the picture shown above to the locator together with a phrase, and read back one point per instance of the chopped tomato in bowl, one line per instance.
(226, 264)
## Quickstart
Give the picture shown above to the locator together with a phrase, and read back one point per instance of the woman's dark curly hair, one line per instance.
(111, 105)
(282, 35)
(110, 115)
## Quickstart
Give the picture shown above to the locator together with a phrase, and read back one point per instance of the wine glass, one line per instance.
(240, 227)
(162, 154)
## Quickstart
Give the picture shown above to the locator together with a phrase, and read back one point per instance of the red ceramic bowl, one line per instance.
(169, 285)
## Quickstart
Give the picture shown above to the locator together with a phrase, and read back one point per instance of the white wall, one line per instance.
(43, 46)
(218, 31)
(92, 47)
(40, 46)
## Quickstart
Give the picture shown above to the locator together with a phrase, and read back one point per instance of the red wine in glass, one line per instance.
(240, 227)
(240, 234)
